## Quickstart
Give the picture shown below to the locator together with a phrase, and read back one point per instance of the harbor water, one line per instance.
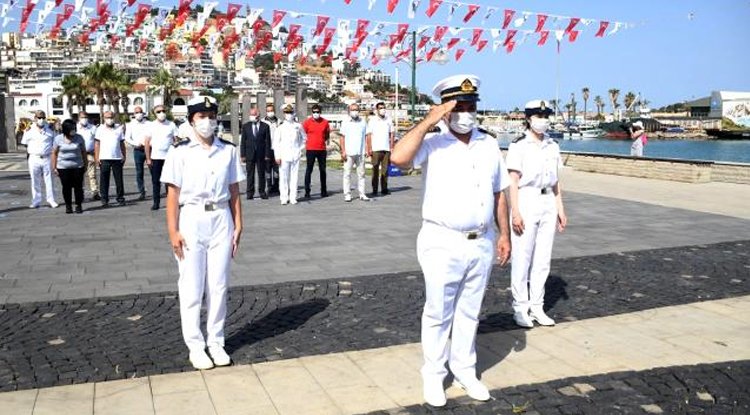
(732, 151)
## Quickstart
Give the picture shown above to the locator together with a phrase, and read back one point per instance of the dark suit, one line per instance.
(255, 148)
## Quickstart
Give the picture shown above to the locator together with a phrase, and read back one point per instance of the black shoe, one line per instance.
(264, 196)
(122, 203)
(385, 193)
(323, 194)
(142, 196)
(307, 195)
(68, 209)
(97, 197)
(79, 209)
(249, 196)
(155, 207)
(105, 205)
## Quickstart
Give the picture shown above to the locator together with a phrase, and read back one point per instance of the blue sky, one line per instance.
(668, 57)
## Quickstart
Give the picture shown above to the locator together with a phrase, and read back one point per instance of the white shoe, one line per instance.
(522, 319)
(364, 198)
(33, 206)
(434, 394)
(348, 198)
(53, 204)
(474, 388)
(200, 360)
(294, 202)
(219, 356)
(541, 318)
(284, 202)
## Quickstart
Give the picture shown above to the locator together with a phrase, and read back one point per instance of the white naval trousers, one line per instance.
(288, 175)
(205, 268)
(456, 271)
(40, 168)
(359, 160)
(532, 251)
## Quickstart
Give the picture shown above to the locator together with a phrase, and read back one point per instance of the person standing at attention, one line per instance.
(38, 140)
(87, 130)
(288, 144)
(463, 203)
(353, 132)
(536, 209)
(272, 169)
(204, 220)
(136, 133)
(110, 155)
(380, 137)
(69, 163)
(162, 136)
(255, 149)
(318, 132)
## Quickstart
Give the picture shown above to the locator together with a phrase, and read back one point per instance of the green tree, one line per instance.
(163, 82)
(629, 101)
(599, 102)
(585, 91)
(97, 78)
(573, 104)
(74, 90)
(614, 94)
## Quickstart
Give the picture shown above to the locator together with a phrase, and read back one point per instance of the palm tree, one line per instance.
(568, 108)
(629, 101)
(599, 102)
(97, 78)
(166, 84)
(74, 90)
(585, 92)
(614, 93)
(572, 116)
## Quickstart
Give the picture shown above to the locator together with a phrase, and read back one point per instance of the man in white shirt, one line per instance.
(185, 131)
(136, 133)
(288, 142)
(464, 180)
(380, 143)
(272, 169)
(162, 136)
(109, 153)
(87, 130)
(353, 133)
(38, 140)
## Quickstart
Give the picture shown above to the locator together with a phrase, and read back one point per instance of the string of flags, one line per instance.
(299, 36)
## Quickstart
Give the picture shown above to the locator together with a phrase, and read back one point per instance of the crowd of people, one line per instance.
(478, 207)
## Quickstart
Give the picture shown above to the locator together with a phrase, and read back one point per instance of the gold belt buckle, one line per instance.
(209, 207)
(472, 235)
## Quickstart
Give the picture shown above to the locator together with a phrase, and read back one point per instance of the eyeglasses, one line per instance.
(159, 112)
(316, 112)
(41, 118)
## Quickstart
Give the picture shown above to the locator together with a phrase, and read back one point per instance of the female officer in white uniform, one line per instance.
(536, 207)
(204, 219)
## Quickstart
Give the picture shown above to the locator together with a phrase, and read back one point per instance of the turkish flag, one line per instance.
(278, 16)
(543, 38)
(60, 20)
(232, 10)
(453, 42)
(602, 28)
(481, 44)
(293, 29)
(509, 47)
(423, 41)
(509, 37)
(401, 31)
(459, 53)
(540, 20)
(475, 36)
(439, 33)
(322, 22)
(508, 17)
(434, 4)
(68, 10)
(392, 5)
(131, 3)
(573, 22)
(573, 35)
(361, 28)
(431, 53)
(472, 11)
(328, 36)
(58, 3)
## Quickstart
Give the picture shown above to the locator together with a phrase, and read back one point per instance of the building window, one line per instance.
(34, 102)
(22, 103)
(179, 101)
(138, 101)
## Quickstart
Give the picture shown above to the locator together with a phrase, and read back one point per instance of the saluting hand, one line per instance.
(178, 243)
(438, 112)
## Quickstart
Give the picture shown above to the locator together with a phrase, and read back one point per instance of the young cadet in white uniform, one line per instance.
(38, 140)
(464, 177)
(288, 142)
(536, 208)
(204, 219)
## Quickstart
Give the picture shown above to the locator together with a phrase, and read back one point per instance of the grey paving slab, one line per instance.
(316, 239)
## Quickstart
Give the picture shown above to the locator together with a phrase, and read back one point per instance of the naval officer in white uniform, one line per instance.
(536, 208)
(204, 219)
(38, 141)
(464, 177)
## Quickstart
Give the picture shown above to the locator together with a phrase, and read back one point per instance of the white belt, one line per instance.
(470, 234)
(207, 206)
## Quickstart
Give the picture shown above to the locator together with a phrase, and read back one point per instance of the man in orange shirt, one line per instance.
(318, 132)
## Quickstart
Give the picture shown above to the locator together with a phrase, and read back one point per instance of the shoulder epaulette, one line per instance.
(181, 142)
(519, 138)
(227, 142)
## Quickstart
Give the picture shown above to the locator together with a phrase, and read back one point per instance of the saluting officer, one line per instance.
(204, 219)
(464, 177)
(536, 207)
(288, 142)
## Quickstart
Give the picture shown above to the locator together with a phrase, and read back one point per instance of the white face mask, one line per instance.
(41, 123)
(539, 125)
(161, 116)
(138, 116)
(109, 121)
(84, 121)
(205, 127)
(463, 122)
(270, 114)
(252, 118)
(381, 112)
(316, 115)
(354, 114)
(289, 117)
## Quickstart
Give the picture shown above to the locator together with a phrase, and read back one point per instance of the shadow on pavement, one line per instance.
(276, 322)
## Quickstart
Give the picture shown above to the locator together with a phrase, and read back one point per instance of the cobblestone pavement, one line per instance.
(701, 389)
(62, 342)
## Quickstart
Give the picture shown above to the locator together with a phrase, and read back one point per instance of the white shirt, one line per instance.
(460, 180)
(136, 132)
(87, 133)
(203, 175)
(537, 162)
(354, 136)
(381, 129)
(186, 131)
(289, 141)
(162, 137)
(38, 141)
(109, 142)
(273, 125)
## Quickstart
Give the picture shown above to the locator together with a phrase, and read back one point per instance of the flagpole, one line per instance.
(557, 86)
(413, 73)
(395, 112)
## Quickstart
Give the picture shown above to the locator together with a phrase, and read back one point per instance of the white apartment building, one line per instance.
(314, 82)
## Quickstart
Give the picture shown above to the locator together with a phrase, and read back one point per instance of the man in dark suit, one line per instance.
(255, 150)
